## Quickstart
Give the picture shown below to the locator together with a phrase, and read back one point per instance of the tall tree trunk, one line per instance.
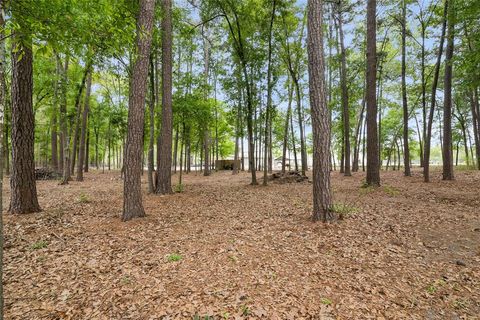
(3, 100)
(447, 105)
(406, 150)
(54, 135)
(151, 106)
(268, 110)
(373, 165)
(287, 124)
(132, 190)
(476, 132)
(83, 134)
(426, 162)
(87, 150)
(345, 111)
(164, 150)
(322, 200)
(23, 197)
(64, 141)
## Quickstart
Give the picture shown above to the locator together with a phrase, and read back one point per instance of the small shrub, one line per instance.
(179, 188)
(391, 191)
(343, 210)
(83, 198)
(39, 245)
(245, 311)
(174, 257)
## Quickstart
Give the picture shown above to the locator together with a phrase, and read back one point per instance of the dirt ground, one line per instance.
(227, 250)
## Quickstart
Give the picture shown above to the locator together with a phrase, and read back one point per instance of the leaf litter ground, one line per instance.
(224, 249)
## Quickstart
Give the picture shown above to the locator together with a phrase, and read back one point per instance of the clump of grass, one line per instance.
(83, 198)
(245, 311)
(41, 244)
(432, 288)
(199, 317)
(179, 188)
(343, 210)
(365, 188)
(126, 280)
(174, 257)
(391, 191)
(326, 301)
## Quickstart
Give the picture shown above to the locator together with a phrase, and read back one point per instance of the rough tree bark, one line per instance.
(447, 105)
(151, 109)
(83, 134)
(164, 150)
(406, 150)
(343, 80)
(268, 111)
(426, 153)
(132, 190)
(373, 160)
(320, 115)
(23, 197)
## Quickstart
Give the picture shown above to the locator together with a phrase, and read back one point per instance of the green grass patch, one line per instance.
(41, 244)
(174, 257)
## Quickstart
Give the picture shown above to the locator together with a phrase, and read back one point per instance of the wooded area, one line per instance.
(290, 159)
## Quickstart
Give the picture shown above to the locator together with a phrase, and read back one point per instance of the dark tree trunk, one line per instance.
(87, 150)
(132, 195)
(373, 165)
(65, 150)
(54, 135)
(426, 153)
(320, 115)
(151, 106)
(83, 134)
(406, 150)
(268, 110)
(447, 105)
(23, 197)
(164, 150)
(345, 111)
(287, 124)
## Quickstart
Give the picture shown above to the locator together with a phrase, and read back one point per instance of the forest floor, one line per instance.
(224, 249)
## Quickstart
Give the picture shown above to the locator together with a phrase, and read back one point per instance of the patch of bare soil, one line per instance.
(224, 249)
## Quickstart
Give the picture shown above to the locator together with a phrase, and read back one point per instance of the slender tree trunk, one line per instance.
(447, 105)
(175, 150)
(87, 150)
(406, 150)
(54, 135)
(151, 105)
(322, 200)
(287, 124)
(476, 132)
(132, 192)
(268, 111)
(164, 157)
(86, 109)
(426, 162)
(373, 165)
(345, 111)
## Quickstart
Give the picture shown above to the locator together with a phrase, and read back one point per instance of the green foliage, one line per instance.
(41, 244)
(179, 188)
(174, 257)
(83, 198)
